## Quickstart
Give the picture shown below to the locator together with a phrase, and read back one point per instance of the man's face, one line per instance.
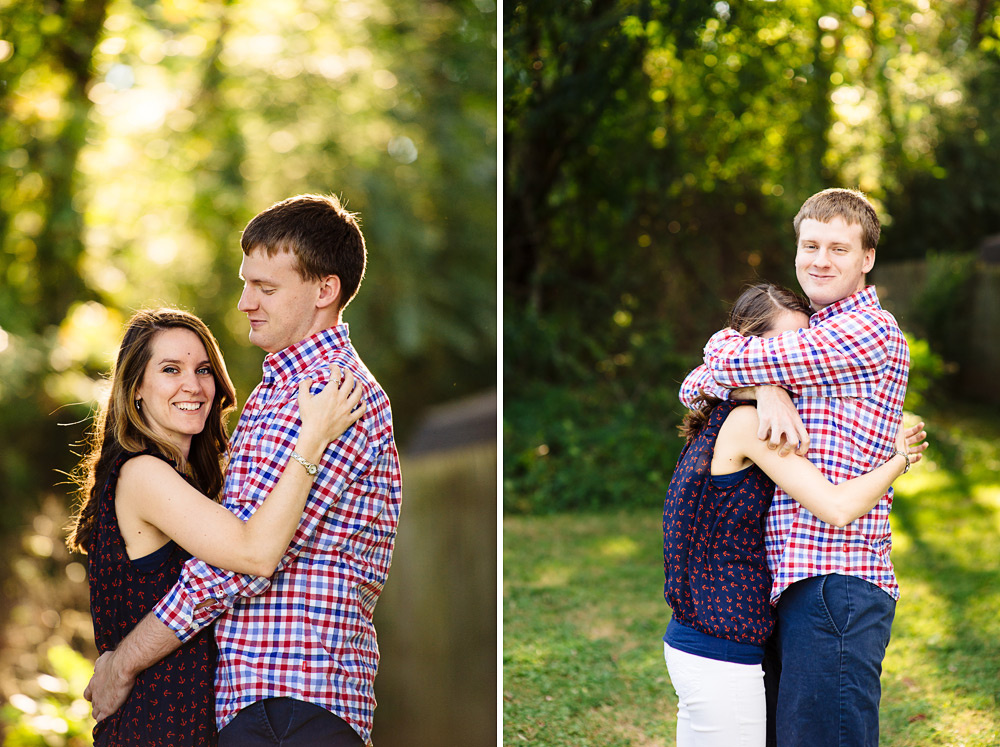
(830, 260)
(280, 305)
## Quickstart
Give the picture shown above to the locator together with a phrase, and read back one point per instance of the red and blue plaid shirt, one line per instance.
(848, 373)
(307, 631)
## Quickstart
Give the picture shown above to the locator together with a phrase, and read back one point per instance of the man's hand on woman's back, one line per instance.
(780, 423)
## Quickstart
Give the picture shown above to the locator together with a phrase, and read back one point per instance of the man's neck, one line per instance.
(319, 324)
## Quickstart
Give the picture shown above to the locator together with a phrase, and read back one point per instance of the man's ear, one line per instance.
(869, 261)
(329, 291)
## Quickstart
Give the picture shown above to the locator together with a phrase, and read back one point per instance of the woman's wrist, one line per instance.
(311, 447)
(906, 463)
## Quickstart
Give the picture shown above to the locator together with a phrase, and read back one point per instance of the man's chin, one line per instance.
(819, 297)
(258, 339)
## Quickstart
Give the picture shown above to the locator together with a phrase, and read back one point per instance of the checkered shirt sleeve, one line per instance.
(698, 381)
(844, 356)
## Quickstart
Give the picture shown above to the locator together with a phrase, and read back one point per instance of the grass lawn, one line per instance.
(584, 612)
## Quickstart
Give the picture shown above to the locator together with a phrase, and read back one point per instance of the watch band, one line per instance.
(906, 457)
(312, 469)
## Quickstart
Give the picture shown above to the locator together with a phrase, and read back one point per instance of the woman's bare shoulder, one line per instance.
(736, 435)
(144, 472)
(742, 418)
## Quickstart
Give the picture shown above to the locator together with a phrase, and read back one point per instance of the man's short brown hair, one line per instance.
(851, 205)
(324, 238)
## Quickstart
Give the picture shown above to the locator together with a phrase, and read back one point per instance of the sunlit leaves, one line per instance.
(778, 98)
(659, 151)
(325, 97)
(135, 146)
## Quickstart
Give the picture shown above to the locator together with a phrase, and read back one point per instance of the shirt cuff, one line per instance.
(179, 612)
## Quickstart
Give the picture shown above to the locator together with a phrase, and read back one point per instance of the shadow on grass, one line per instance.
(946, 531)
(583, 617)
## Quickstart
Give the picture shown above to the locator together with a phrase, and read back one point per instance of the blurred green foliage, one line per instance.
(615, 445)
(927, 370)
(62, 716)
(655, 155)
(584, 449)
(941, 307)
(138, 138)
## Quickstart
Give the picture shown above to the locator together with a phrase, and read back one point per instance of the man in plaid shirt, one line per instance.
(297, 651)
(834, 588)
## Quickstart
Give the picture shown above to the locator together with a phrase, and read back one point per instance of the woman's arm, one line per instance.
(155, 494)
(840, 504)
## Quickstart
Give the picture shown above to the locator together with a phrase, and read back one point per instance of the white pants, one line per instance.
(719, 704)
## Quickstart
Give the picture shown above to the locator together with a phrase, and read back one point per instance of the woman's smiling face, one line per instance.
(178, 387)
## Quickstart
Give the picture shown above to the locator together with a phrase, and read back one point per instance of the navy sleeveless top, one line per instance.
(173, 702)
(717, 582)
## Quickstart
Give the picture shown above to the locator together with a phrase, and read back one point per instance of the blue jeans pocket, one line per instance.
(835, 599)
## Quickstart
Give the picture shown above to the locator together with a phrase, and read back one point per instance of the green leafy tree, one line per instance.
(138, 139)
(655, 155)
(44, 110)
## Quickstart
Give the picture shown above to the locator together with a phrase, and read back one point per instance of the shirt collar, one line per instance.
(302, 355)
(864, 297)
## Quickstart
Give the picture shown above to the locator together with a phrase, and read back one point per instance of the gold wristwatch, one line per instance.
(312, 469)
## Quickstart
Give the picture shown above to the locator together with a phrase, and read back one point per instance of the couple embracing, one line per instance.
(777, 566)
(233, 580)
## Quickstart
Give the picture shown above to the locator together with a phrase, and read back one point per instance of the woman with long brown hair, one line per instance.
(148, 490)
(717, 579)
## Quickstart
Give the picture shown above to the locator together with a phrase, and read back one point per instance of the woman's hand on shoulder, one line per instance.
(332, 411)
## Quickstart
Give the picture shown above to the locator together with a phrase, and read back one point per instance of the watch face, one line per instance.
(311, 469)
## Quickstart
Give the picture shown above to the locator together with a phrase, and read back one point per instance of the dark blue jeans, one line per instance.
(823, 663)
(288, 723)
